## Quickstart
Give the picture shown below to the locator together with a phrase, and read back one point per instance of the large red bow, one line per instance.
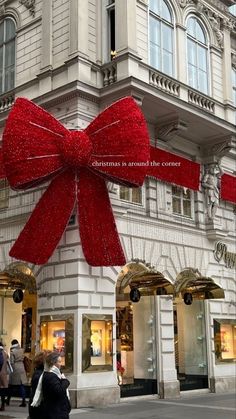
(37, 148)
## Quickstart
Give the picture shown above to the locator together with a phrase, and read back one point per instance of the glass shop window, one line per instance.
(97, 343)
(225, 340)
(57, 334)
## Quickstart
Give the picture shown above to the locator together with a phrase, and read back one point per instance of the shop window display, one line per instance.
(225, 340)
(57, 334)
(97, 348)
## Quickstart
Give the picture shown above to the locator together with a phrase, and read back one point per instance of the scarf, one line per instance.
(38, 397)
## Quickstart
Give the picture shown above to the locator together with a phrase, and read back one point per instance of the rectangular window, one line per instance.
(4, 194)
(57, 334)
(111, 28)
(133, 195)
(97, 343)
(181, 201)
(225, 340)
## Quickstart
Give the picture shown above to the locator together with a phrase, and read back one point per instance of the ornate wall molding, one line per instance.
(30, 5)
(2, 11)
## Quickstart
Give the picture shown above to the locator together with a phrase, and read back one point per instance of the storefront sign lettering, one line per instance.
(221, 253)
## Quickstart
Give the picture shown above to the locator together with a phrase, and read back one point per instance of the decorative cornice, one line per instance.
(30, 5)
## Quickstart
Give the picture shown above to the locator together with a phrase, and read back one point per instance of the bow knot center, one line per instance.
(76, 148)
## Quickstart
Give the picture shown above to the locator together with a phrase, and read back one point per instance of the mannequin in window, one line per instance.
(211, 184)
(96, 343)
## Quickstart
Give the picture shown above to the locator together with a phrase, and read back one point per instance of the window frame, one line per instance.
(207, 49)
(172, 26)
(182, 199)
(129, 201)
(4, 194)
(3, 88)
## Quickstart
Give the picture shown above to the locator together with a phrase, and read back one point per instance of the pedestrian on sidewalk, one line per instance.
(18, 376)
(4, 362)
(52, 390)
(38, 368)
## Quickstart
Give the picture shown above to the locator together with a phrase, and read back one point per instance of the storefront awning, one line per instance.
(144, 278)
(200, 287)
(17, 275)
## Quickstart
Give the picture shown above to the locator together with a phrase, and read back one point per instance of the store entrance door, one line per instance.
(136, 343)
(190, 345)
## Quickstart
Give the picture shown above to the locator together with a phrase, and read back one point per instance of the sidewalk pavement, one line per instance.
(191, 405)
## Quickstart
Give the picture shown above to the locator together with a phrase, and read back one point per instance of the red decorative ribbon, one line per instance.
(37, 148)
(115, 147)
(228, 188)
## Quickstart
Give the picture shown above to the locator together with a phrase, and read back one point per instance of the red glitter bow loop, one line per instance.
(37, 148)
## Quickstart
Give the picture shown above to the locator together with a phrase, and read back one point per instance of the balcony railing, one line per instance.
(164, 83)
(109, 73)
(6, 101)
(201, 101)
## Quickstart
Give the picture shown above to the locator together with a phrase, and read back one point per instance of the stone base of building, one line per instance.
(222, 384)
(169, 389)
(94, 396)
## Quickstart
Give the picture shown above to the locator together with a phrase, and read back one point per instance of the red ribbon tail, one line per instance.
(48, 221)
(98, 232)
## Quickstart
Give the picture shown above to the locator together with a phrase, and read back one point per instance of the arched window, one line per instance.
(161, 31)
(7, 55)
(197, 51)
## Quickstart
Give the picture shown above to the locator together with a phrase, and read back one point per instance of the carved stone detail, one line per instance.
(211, 186)
(167, 130)
(219, 149)
(30, 5)
(215, 22)
(2, 11)
(185, 3)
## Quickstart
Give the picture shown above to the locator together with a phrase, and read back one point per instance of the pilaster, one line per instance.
(78, 28)
(125, 15)
(46, 55)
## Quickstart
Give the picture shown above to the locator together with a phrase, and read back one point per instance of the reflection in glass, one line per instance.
(97, 350)
(57, 334)
(225, 340)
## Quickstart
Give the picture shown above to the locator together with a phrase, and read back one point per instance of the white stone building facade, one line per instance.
(178, 60)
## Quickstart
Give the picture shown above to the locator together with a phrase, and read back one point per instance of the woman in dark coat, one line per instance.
(52, 391)
(38, 365)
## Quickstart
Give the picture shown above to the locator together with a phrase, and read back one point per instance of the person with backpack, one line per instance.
(4, 360)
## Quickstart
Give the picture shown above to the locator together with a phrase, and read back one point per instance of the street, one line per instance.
(189, 406)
